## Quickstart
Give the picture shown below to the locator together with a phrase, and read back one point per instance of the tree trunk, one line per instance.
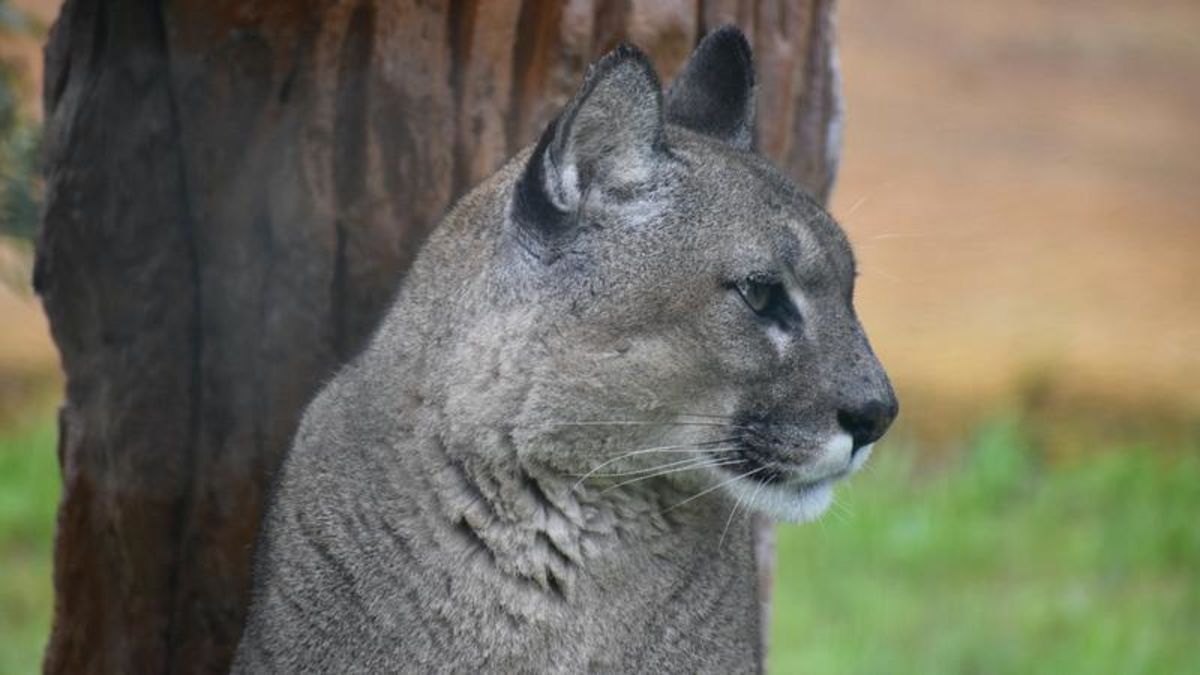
(233, 191)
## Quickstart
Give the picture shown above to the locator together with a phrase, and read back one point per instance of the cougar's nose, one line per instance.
(866, 423)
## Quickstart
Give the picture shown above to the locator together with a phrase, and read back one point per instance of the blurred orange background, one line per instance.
(1020, 179)
(1021, 183)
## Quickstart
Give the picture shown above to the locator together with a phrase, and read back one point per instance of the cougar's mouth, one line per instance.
(783, 501)
(761, 468)
(764, 481)
(757, 465)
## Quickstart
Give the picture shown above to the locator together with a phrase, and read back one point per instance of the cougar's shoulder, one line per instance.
(607, 356)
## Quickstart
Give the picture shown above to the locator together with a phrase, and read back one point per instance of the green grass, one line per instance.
(29, 489)
(998, 564)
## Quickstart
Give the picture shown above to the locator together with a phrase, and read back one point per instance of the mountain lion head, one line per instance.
(661, 306)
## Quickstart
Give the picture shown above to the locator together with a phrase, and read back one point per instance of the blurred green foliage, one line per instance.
(999, 564)
(29, 488)
(20, 139)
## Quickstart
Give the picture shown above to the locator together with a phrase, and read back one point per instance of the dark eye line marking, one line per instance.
(776, 305)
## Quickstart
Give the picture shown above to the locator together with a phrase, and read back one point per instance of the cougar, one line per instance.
(634, 329)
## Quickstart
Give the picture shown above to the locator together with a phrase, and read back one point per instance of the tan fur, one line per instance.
(475, 491)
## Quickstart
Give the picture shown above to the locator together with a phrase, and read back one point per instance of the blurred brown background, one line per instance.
(1020, 180)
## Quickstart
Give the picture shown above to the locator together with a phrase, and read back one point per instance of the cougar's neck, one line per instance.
(540, 530)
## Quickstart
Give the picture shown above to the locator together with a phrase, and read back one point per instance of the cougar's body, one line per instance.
(633, 327)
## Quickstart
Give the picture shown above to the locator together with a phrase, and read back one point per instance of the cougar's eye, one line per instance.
(768, 300)
(757, 295)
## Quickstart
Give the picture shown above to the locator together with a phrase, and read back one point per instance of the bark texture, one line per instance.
(234, 189)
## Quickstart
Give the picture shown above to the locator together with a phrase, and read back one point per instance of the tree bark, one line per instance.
(233, 191)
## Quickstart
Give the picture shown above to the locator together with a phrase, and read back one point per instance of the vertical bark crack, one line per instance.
(537, 31)
(182, 516)
(350, 164)
(460, 32)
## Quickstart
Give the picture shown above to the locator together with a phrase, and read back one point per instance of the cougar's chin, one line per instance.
(794, 493)
(785, 502)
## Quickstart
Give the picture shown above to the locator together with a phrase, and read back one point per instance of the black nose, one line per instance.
(867, 423)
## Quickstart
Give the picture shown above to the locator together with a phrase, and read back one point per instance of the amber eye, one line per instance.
(768, 300)
(756, 295)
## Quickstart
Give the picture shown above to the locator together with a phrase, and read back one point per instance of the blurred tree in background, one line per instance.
(20, 139)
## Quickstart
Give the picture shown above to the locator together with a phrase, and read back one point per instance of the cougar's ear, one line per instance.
(610, 135)
(714, 94)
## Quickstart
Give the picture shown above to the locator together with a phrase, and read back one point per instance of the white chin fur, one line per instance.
(785, 503)
(861, 457)
(793, 504)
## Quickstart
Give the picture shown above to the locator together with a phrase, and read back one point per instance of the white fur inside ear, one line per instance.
(570, 186)
(562, 184)
(623, 165)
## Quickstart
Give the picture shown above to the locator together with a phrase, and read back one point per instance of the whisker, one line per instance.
(677, 462)
(855, 207)
(833, 513)
(697, 450)
(702, 415)
(643, 451)
(843, 510)
(728, 522)
(749, 502)
(890, 277)
(718, 485)
(905, 235)
(621, 423)
(685, 448)
(699, 464)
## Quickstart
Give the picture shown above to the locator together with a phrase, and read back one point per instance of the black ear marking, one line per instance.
(714, 94)
(533, 208)
(610, 134)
